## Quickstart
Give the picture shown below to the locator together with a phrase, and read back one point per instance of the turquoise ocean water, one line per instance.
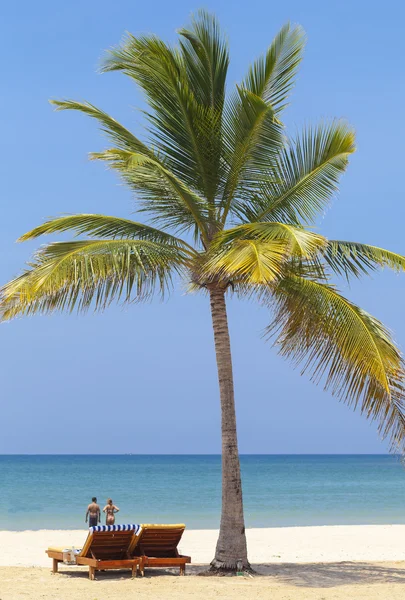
(52, 492)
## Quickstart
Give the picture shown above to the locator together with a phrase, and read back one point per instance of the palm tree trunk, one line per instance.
(231, 546)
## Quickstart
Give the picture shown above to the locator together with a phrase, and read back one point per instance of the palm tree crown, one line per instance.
(229, 201)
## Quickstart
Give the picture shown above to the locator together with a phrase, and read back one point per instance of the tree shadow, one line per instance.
(326, 575)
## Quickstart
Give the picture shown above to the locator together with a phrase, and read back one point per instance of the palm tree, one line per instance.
(230, 202)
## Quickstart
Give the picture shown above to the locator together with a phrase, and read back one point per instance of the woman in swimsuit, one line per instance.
(110, 509)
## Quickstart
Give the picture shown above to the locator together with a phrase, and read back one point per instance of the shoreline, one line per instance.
(270, 545)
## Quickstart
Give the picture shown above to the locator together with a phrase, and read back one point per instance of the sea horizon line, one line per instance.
(198, 454)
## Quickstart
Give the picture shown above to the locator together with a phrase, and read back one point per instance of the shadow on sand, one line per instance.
(309, 575)
(327, 575)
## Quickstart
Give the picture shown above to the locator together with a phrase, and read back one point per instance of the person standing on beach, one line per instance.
(93, 513)
(110, 509)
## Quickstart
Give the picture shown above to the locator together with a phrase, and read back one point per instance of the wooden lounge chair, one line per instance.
(106, 547)
(156, 546)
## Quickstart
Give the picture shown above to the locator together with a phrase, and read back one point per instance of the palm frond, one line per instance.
(164, 195)
(252, 133)
(342, 345)
(271, 77)
(252, 142)
(355, 259)
(104, 226)
(250, 262)
(300, 242)
(183, 130)
(122, 138)
(206, 59)
(131, 150)
(79, 274)
(306, 176)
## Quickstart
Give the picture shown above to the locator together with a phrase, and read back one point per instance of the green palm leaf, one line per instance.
(164, 195)
(206, 59)
(271, 77)
(300, 242)
(105, 227)
(355, 259)
(252, 134)
(343, 345)
(252, 142)
(116, 132)
(153, 188)
(305, 178)
(76, 275)
(181, 127)
(247, 261)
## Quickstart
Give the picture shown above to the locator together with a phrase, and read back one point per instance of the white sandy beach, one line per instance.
(295, 563)
(269, 545)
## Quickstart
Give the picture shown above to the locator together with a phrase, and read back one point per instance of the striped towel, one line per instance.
(131, 527)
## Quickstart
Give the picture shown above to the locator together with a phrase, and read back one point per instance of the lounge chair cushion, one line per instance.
(129, 527)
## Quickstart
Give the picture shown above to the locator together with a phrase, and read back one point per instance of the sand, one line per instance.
(373, 543)
(322, 581)
(297, 563)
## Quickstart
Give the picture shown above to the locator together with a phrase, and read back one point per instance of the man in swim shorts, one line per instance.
(93, 513)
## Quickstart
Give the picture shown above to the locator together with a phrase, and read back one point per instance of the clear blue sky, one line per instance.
(65, 380)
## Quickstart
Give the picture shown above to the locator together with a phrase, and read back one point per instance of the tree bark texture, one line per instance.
(231, 550)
